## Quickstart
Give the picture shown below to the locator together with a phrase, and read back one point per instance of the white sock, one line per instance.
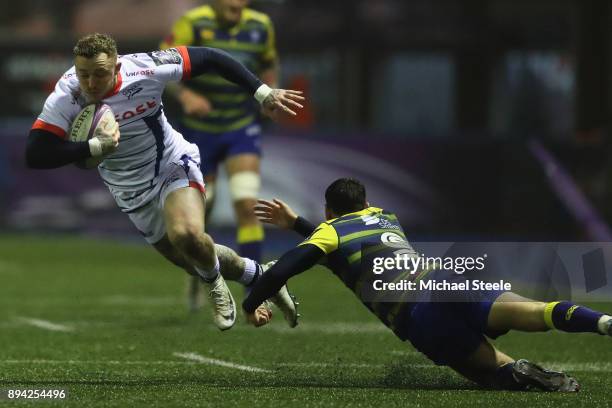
(601, 324)
(209, 276)
(249, 273)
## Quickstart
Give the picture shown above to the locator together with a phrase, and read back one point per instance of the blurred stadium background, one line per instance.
(434, 103)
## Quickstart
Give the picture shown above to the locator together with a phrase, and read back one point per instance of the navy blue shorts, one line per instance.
(448, 332)
(216, 147)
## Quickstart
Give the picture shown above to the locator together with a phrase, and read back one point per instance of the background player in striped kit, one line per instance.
(219, 116)
(448, 332)
(153, 173)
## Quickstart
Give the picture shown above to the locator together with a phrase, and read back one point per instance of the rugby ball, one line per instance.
(85, 125)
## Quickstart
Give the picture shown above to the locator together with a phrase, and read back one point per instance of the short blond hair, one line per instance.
(94, 44)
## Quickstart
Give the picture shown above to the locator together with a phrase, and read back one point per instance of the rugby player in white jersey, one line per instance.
(151, 171)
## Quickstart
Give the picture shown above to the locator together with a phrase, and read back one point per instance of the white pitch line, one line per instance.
(201, 359)
(45, 324)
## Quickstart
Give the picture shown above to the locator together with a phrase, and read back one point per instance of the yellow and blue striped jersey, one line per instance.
(251, 42)
(351, 239)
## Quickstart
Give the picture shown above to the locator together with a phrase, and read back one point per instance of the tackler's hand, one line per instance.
(275, 212)
(261, 316)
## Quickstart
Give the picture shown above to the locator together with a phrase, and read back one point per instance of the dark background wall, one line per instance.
(474, 81)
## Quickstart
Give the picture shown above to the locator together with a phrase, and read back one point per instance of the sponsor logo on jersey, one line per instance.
(387, 225)
(382, 223)
(143, 72)
(132, 90)
(369, 219)
(77, 97)
(138, 110)
(169, 56)
(393, 240)
(185, 160)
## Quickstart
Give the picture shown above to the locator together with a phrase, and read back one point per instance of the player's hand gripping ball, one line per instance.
(95, 124)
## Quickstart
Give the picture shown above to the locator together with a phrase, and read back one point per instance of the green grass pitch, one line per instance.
(120, 336)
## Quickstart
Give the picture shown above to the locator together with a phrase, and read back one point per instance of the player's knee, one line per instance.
(244, 185)
(205, 249)
(187, 237)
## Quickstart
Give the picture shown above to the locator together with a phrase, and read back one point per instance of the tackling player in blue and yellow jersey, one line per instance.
(449, 331)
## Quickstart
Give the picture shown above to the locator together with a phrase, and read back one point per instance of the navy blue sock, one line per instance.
(568, 317)
(250, 240)
(251, 250)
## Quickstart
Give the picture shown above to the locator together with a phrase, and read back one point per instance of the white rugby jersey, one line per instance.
(147, 142)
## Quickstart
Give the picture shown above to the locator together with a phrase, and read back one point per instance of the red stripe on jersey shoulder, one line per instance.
(56, 130)
(197, 186)
(186, 62)
(116, 88)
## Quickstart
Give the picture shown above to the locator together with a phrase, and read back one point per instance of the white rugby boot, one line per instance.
(224, 307)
